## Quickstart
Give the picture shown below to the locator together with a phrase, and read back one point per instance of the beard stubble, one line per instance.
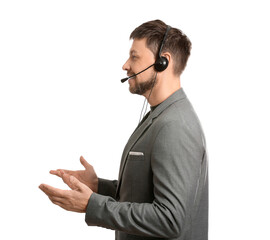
(143, 87)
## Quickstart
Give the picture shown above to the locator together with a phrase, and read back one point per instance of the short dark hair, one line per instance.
(177, 43)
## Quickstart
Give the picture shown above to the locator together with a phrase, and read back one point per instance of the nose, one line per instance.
(126, 66)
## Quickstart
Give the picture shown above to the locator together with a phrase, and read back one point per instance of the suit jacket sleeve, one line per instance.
(175, 161)
(107, 187)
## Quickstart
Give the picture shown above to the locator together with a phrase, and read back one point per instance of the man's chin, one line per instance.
(133, 91)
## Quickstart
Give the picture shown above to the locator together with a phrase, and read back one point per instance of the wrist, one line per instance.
(95, 186)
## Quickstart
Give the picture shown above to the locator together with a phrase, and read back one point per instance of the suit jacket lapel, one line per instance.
(132, 140)
(178, 95)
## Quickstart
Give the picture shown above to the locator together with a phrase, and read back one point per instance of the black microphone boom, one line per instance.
(132, 76)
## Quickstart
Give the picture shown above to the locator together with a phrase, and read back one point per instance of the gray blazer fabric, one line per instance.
(162, 188)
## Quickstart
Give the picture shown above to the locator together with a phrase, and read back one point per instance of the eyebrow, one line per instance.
(133, 51)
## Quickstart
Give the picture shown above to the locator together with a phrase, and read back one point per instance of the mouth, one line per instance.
(129, 74)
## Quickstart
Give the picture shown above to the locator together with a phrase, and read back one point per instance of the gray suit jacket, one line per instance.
(162, 189)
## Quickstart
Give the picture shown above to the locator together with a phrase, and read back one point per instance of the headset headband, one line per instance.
(163, 41)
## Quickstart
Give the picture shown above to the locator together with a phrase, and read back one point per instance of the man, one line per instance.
(162, 188)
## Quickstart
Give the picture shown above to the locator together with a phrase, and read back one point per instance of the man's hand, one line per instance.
(87, 176)
(75, 200)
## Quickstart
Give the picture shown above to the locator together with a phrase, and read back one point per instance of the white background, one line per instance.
(61, 97)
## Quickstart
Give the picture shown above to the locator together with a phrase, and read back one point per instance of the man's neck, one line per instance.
(161, 92)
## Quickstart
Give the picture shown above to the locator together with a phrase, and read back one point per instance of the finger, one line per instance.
(84, 162)
(51, 191)
(55, 172)
(58, 172)
(58, 199)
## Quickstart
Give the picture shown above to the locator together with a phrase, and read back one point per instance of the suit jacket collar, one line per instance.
(176, 96)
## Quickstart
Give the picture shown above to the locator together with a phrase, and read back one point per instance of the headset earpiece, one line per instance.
(161, 64)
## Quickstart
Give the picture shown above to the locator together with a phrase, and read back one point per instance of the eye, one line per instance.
(133, 57)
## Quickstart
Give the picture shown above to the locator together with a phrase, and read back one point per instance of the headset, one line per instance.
(161, 62)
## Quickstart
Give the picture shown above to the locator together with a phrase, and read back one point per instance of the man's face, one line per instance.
(140, 57)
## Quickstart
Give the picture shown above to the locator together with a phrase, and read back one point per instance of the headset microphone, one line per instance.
(132, 76)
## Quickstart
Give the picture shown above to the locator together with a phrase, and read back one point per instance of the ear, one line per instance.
(167, 55)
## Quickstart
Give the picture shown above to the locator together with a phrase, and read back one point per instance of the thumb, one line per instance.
(67, 179)
(84, 162)
(75, 184)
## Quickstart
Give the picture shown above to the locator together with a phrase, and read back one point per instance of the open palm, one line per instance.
(87, 176)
